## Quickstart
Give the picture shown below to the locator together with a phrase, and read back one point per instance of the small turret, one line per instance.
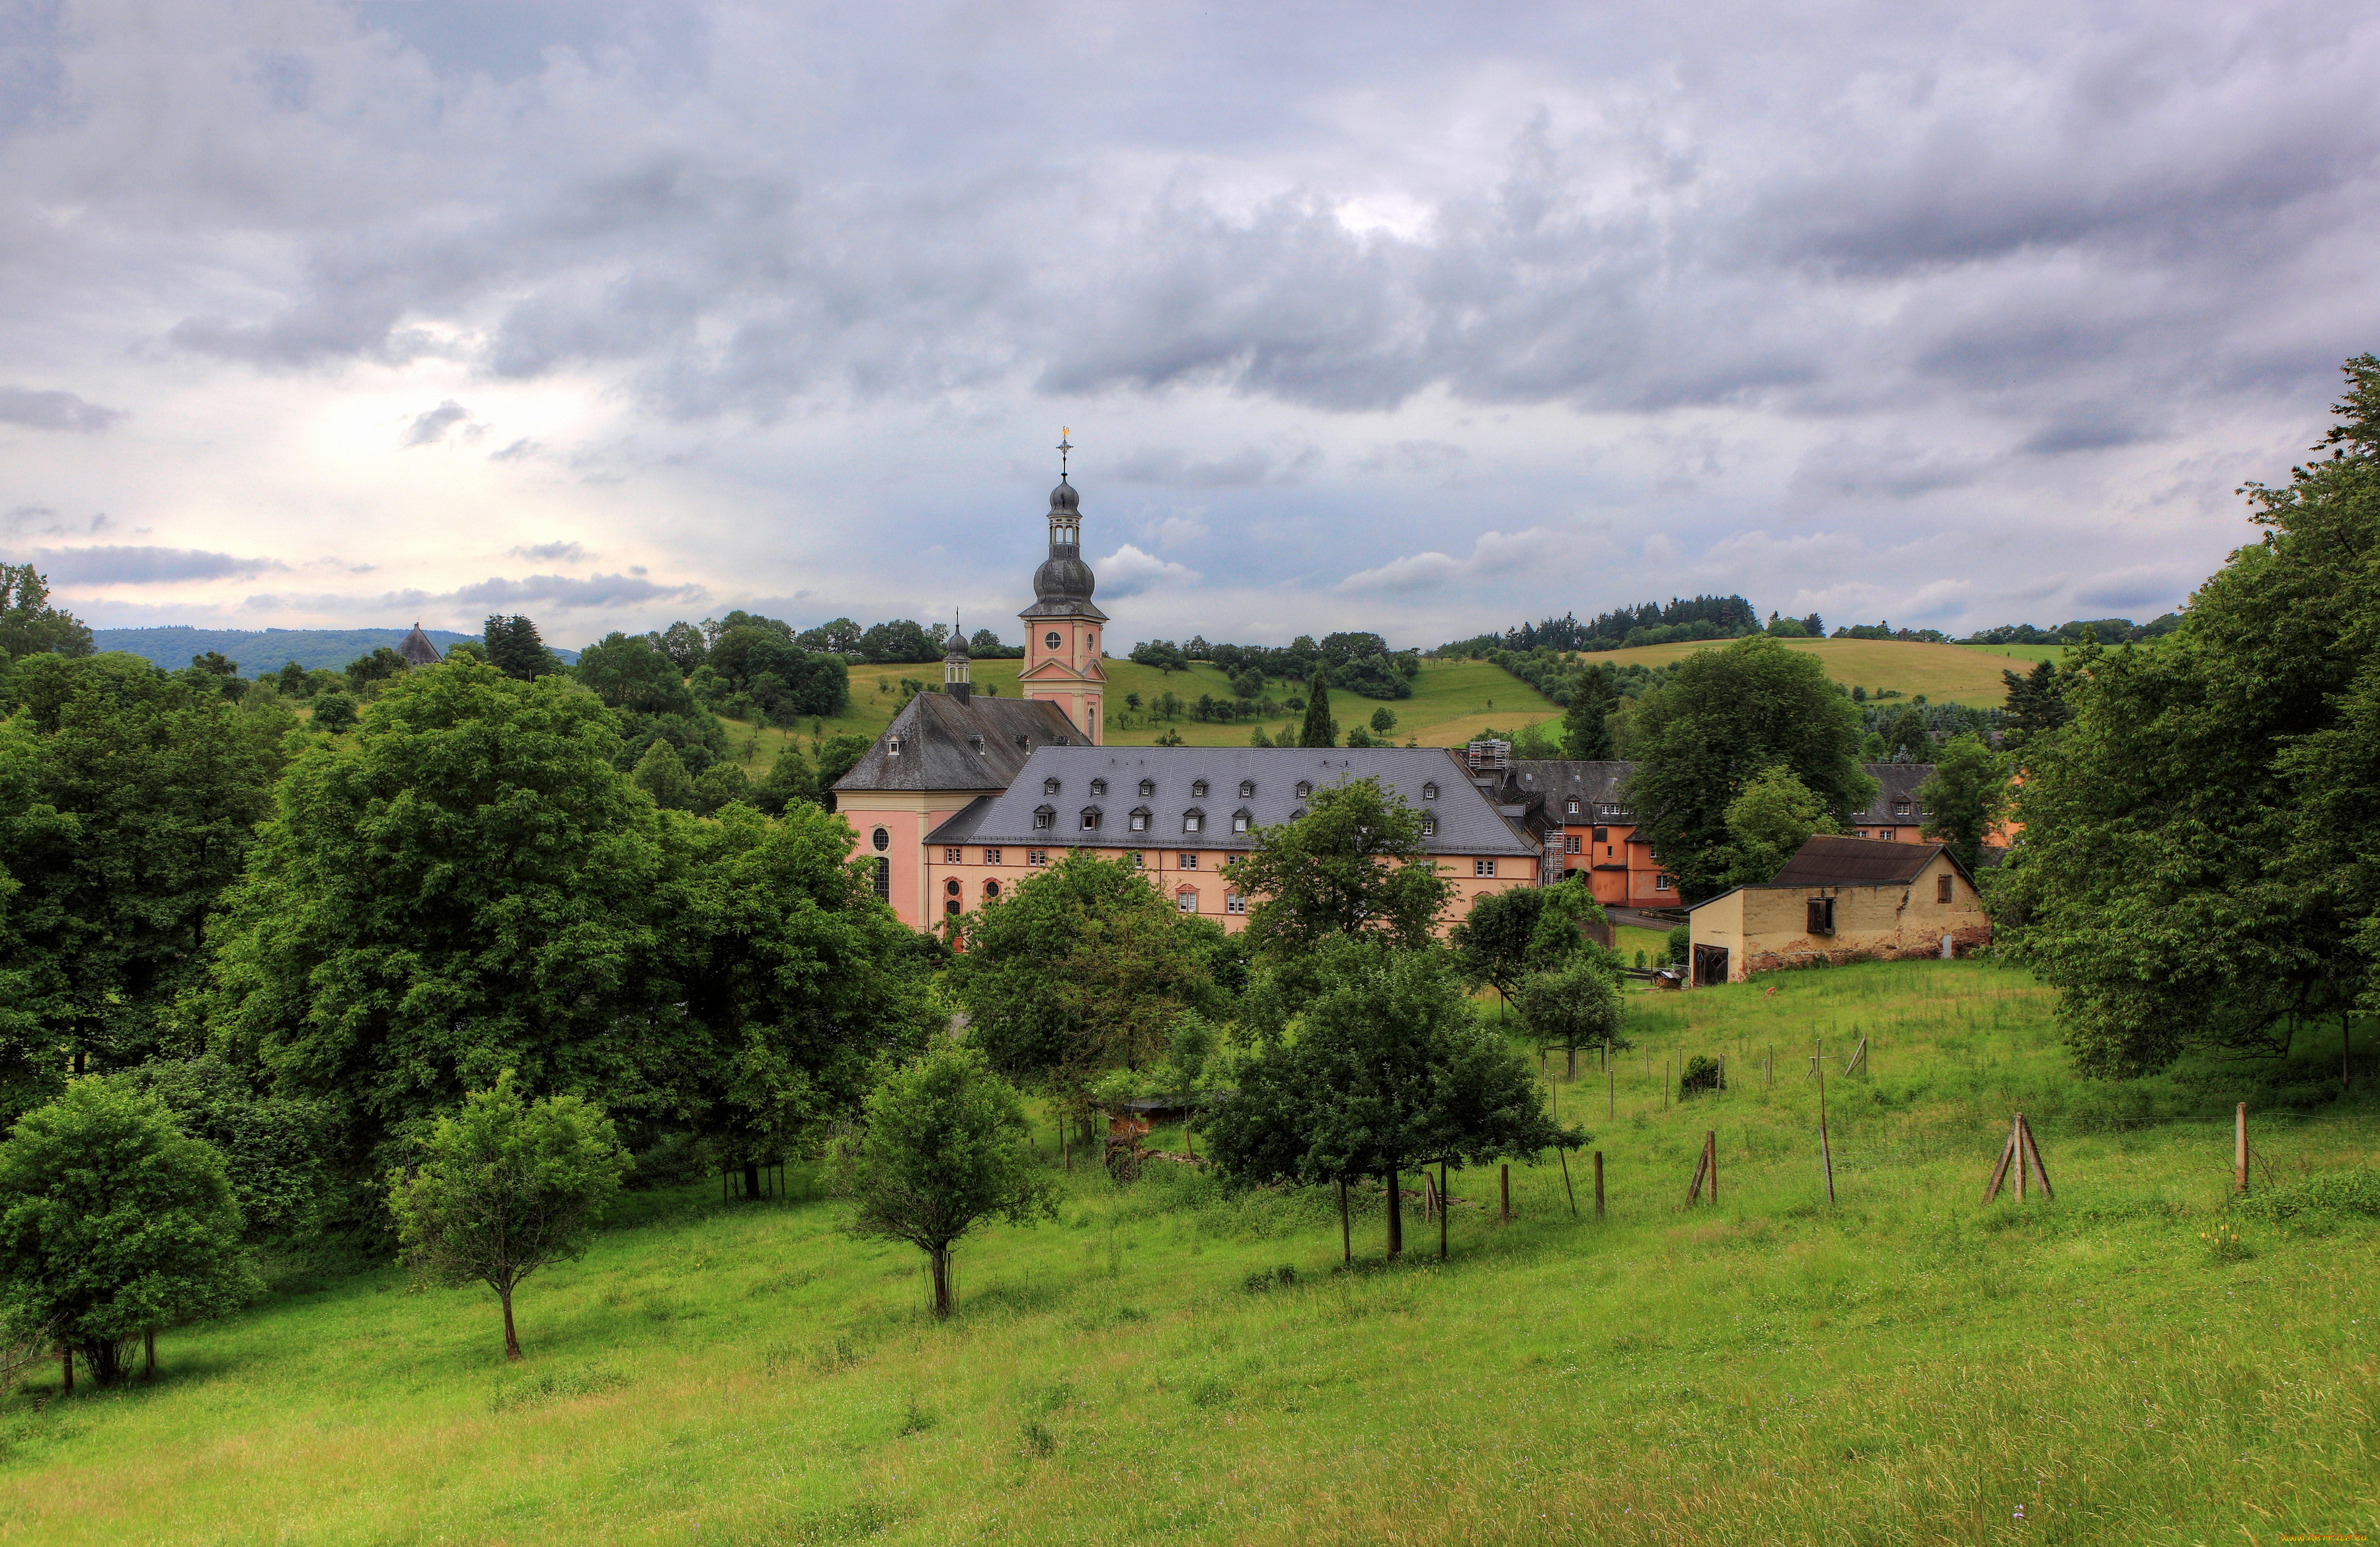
(956, 681)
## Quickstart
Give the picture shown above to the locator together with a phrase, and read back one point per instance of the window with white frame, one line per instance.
(1240, 820)
(1044, 817)
(1247, 789)
(1139, 820)
(1483, 867)
(991, 857)
(1098, 786)
(1665, 883)
(1036, 856)
(952, 856)
(1194, 822)
(1429, 824)
(1048, 787)
(1185, 861)
(1186, 901)
(1429, 791)
(1148, 788)
(1197, 789)
(1234, 903)
(1304, 789)
(1570, 846)
(1090, 819)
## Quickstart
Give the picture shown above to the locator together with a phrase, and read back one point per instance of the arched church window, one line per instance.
(991, 890)
(952, 886)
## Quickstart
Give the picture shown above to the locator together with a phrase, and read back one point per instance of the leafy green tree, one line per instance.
(837, 755)
(721, 783)
(1387, 1069)
(1770, 822)
(939, 1150)
(30, 624)
(1966, 796)
(505, 1186)
(334, 713)
(663, 777)
(1724, 716)
(1320, 729)
(631, 674)
(840, 637)
(684, 644)
(790, 780)
(1354, 864)
(127, 803)
(1574, 1004)
(1079, 969)
(272, 1146)
(516, 649)
(366, 672)
(759, 658)
(1522, 930)
(1586, 729)
(292, 681)
(113, 1224)
(2196, 862)
(1384, 720)
(1906, 739)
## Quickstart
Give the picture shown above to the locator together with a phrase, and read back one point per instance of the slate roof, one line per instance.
(949, 743)
(1826, 860)
(417, 649)
(1596, 785)
(1896, 782)
(1467, 820)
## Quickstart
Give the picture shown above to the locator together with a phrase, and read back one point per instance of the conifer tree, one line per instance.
(1320, 729)
(661, 775)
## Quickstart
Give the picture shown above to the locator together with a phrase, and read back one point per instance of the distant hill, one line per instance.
(260, 652)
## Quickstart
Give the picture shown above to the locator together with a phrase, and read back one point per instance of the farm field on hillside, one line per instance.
(1167, 1363)
(1453, 700)
(1944, 673)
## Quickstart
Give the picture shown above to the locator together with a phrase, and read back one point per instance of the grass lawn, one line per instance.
(1452, 702)
(1169, 1363)
(1654, 944)
(1944, 673)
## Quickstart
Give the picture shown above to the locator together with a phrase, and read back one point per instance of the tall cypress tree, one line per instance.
(1320, 729)
(1585, 734)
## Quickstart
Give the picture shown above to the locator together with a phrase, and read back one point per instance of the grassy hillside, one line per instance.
(1452, 702)
(1169, 1364)
(1944, 673)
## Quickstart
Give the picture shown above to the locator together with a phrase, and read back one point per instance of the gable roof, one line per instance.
(1595, 785)
(1467, 819)
(1826, 860)
(1896, 784)
(946, 742)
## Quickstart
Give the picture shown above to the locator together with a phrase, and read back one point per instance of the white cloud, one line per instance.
(1130, 571)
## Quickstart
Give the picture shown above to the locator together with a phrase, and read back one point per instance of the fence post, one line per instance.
(2240, 1150)
(1564, 1155)
(1710, 1142)
(1599, 1184)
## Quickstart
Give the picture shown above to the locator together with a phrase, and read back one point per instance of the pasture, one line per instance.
(1944, 673)
(1168, 1362)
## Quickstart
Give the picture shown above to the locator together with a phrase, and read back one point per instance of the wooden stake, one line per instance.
(1702, 1168)
(1566, 1187)
(2016, 1136)
(2240, 1150)
(2032, 1150)
(1599, 1184)
(1826, 1150)
(1999, 1172)
(1711, 1148)
(1441, 1211)
(1504, 1177)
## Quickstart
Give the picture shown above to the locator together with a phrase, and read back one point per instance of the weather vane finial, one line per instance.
(1062, 449)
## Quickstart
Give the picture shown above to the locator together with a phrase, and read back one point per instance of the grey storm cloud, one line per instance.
(54, 410)
(2031, 231)
(141, 565)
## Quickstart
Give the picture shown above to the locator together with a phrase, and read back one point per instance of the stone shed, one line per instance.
(1841, 900)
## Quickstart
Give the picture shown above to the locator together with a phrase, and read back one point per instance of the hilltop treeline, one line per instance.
(1361, 663)
(1703, 617)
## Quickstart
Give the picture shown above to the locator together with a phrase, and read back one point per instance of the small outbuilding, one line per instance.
(1841, 900)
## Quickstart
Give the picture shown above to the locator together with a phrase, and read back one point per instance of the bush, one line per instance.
(2328, 1192)
(1681, 944)
(1700, 1074)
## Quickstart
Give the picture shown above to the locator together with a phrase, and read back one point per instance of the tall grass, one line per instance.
(1906, 1366)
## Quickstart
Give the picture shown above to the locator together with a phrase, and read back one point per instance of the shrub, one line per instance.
(1700, 1074)
(2327, 1192)
(1682, 942)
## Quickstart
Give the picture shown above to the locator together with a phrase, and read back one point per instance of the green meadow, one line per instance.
(1171, 1362)
(1452, 702)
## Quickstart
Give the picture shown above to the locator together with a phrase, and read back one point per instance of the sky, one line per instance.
(1424, 319)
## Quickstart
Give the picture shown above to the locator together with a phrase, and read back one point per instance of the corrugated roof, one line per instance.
(1467, 820)
(1826, 860)
(946, 744)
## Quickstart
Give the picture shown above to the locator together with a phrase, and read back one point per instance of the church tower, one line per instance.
(1062, 628)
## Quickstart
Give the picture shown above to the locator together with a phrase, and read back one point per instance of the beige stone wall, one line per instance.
(1766, 928)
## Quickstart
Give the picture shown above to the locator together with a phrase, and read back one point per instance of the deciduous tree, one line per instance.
(1354, 864)
(115, 1225)
(505, 1186)
(1966, 795)
(939, 1150)
(1770, 822)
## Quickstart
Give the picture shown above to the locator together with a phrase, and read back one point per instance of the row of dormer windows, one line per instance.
(1139, 820)
(1148, 788)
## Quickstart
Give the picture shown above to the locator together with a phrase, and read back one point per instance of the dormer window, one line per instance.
(1297, 814)
(1197, 789)
(1304, 789)
(1429, 792)
(976, 742)
(1148, 788)
(1240, 820)
(1571, 809)
(1098, 786)
(1194, 822)
(892, 746)
(1044, 817)
(1900, 807)
(1090, 819)
(1429, 824)
(1247, 789)
(1140, 819)
(1048, 787)
(1023, 743)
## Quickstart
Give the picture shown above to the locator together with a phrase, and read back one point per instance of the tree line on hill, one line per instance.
(1358, 663)
(1701, 618)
